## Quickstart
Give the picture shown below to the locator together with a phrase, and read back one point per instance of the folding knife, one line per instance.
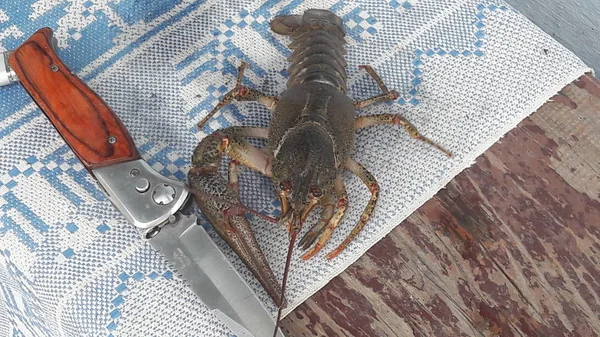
(146, 199)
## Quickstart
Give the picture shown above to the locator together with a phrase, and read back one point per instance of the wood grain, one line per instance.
(83, 119)
(510, 248)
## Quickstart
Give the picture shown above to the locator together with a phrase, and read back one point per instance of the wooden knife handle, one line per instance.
(83, 119)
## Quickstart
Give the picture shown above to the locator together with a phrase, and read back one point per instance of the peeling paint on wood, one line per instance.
(510, 248)
(576, 130)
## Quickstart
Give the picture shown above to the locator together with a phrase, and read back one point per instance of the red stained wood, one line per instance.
(81, 117)
(509, 248)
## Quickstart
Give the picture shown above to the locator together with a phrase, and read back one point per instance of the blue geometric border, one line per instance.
(477, 50)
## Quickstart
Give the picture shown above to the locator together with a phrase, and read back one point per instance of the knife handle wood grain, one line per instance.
(81, 117)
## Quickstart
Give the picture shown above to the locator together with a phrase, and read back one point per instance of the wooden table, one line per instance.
(510, 248)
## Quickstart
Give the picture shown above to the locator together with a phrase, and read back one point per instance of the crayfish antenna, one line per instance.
(286, 271)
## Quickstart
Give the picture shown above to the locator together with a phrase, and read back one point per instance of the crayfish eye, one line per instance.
(285, 185)
(316, 192)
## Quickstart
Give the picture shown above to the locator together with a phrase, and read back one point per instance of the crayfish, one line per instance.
(310, 138)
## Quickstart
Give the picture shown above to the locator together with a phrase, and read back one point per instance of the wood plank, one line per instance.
(510, 248)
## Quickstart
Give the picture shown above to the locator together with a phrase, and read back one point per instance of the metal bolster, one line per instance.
(145, 197)
(7, 75)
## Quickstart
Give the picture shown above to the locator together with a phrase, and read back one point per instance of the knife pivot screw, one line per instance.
(54, 68)
(112, 139)
(134, 172)
(163, 194)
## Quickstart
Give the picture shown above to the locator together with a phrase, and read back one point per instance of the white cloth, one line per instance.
(70, 265)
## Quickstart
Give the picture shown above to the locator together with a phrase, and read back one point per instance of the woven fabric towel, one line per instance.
(70, 265)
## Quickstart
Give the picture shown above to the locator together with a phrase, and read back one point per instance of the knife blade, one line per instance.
(147, 199)
(199, 260)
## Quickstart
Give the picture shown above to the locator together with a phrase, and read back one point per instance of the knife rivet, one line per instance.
(112, 139)
(134, 173)
(54, 68)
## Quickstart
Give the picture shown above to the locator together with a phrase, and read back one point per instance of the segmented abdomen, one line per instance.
(318, 51)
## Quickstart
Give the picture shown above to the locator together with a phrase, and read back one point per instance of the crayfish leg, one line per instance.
(369, 180)
(328, 203)
(243, 153)
(333, 222)
(388, 95)
(241, 93)
(364, 121)
(385, 97)
(232, 173)
(375, 76)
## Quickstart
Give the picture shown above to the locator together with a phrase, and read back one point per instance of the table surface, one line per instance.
(511, 247)
(572, 23)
